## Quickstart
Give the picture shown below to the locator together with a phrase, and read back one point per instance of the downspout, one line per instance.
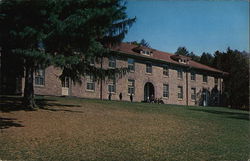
(101, 80)
(187, 87)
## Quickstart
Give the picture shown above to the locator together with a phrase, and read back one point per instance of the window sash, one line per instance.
(204, 78)
(131, 64)
(216, 81)
(180, 92)
(131, 86)
(111, 88)
(148, 68)
(90, 86)
(193, 93)
(165, 71)
(112, 62)
(165, 90)
(180, 74)
(65, 82)
(193, 77)
(90, 83)
(40, 77)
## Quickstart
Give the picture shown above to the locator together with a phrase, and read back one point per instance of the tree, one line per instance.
(143, 42)
(237, 82)
(72, 31)
(182, 51)
(194, 57)
(206, 59)
(22, 28)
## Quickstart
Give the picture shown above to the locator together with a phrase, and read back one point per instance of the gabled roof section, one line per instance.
(129, 49)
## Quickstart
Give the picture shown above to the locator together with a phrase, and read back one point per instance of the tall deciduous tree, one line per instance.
(72, 31)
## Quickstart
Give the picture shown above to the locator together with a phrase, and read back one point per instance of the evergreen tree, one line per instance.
(182, 51)
(206, 59)
(237, 82)
(72, 31)
(143, 42)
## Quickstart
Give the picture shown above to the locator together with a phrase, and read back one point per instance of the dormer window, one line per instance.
(181, 59)
(146, 52)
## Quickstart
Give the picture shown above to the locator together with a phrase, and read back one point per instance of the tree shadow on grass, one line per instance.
(234, 115)
(9, 122)
(14, 103)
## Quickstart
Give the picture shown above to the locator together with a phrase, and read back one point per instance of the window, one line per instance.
(215, 81)
(204, 78)
(65, 82)
(180, 92)
(193, 77)
(131, 86)
(193, 93)
(111, 87)
(146, 52)
(131, 64)
(90, 83)
(148, 68)
(39, 77)
(112, 62)
(165, 71)
(165, 90)
(111, 84)
(179, 74)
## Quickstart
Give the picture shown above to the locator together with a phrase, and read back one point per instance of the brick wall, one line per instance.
(53, 84)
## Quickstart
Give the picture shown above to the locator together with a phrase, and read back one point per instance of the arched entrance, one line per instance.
(149, 91)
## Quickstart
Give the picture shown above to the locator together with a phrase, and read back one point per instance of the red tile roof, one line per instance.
(127, 48)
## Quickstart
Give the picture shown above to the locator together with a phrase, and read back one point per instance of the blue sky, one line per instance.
(199, 25)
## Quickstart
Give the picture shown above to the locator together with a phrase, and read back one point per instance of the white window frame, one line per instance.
(205, 78)
(90, 83)
(39, 77)
(165, 70)
(193, 95)
(131, 66)
(165, 90)
(179, 74)
(180, 92)
(192, 76)
(112, 62)
(131, 86)
(149, 68)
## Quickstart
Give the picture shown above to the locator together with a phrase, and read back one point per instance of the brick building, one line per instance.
(175, 79)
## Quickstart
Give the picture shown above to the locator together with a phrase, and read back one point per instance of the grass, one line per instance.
(81, 129)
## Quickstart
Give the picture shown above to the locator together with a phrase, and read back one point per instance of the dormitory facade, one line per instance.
(175, 79)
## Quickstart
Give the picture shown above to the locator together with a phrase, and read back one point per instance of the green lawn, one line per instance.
(81, 129)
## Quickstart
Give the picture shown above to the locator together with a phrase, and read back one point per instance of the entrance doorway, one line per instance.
(65, 86)
(149, 91)
(205, 97)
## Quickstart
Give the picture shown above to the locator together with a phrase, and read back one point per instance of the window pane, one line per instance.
(165, 90)
(180, 92)
(131, 64)
(112, 62)
(149, 68)
(165, 71)
(179, 73)
(193, 93)
(204, 78)
(39, 77)
(131, 87)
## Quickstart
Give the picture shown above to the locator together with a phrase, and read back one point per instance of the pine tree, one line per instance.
(72, 31)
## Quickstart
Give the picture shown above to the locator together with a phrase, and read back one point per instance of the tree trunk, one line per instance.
(28, 99)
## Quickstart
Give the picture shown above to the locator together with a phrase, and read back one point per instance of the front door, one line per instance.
(149, 91)
(65, 86)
